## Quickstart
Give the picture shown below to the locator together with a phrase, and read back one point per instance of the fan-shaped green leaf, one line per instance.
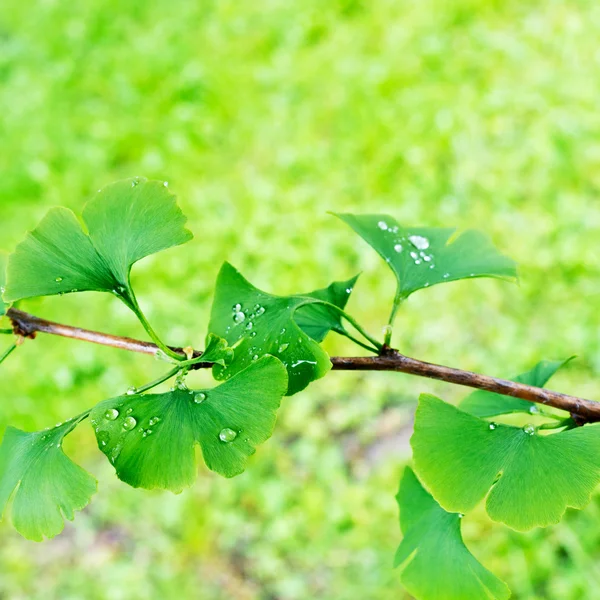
(533, 478)
(257, 323)
(150, 438)
(126, 221)
(488, 404)
(424, 256)
(435, 563)
(317, 320)
(45, 485)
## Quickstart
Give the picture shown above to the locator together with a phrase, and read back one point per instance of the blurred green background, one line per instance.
(262, 117)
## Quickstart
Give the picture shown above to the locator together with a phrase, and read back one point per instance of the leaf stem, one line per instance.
(7, 353)
(131, 301)
(161, 379)
(389, 329)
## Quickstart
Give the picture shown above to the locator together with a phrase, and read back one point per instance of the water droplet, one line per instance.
(111, 414)
(237, 308)
(529, 429)
(227, 435)
(239, 317)
(492, 426)
(283, 348)
(58, 279)
(534, 410)
(255, 357)
(253, 334)
(103, 437)
(147, 433)
(153, 421)
(129, 423)
(199, 398)
(131, 391)
(414, 255)
(129, 411)
(348, 291)
(461, 515)
(260, 311)
(398, 247)
(166, 183)
(283, 330)
(382, 225)
(446, 275)
(427, 258)
(249, 325)
(420, 242)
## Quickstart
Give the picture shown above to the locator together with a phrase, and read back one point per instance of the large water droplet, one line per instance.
(422, 243)
(227, 435)
(255, 357)
(199, 398)
(111, 414)
(529, 429)
(382, 225)
(129, 423)
(239, 317)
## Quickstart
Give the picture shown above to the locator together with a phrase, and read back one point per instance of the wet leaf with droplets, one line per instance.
(274, 330)
(124, 223)
(424, 256)
(488, 404)
(45, 485)
(228, 422)
(434, 561)
(531, 478)
(317, 320)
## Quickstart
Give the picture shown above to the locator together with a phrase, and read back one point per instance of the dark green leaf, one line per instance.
(317, 320)
(533, 478)
(424, 256)
(45, 485)
(126, 221)
(435, 563)
(257, 323)
(150, 438)
(489, 404)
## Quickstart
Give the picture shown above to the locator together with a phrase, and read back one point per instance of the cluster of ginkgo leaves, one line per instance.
(264, 347)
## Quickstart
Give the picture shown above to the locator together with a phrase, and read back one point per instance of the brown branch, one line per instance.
(583, 411)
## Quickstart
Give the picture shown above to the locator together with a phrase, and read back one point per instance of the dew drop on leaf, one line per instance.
(153, 421)
(420, 242)
(529, 429)
(131, 391)
(111, 414)
(382, 225)
(397, 248)
(239, 317)
(492, 426)
(227, 435)
(58, 279)
(283, 348)
(199, 398)
(129, 423)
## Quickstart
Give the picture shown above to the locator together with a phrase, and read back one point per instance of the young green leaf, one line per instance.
(45, 485)
(317, 320)
(489, 404)
(424, 256)
(533, 478)
(435, 563)
(150, 439)
(126, 221)
(3, 261)
(257, 323)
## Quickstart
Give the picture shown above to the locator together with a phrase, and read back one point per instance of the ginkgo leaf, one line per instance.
(424, 256)
(45, 485)
(489, 404)
(317, 320)
(435, 563)
(257, 323)
(531, 478)
(125, 221)
(150, 439)
(3, 261)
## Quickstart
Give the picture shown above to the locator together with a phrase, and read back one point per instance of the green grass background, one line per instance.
(263, 116)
